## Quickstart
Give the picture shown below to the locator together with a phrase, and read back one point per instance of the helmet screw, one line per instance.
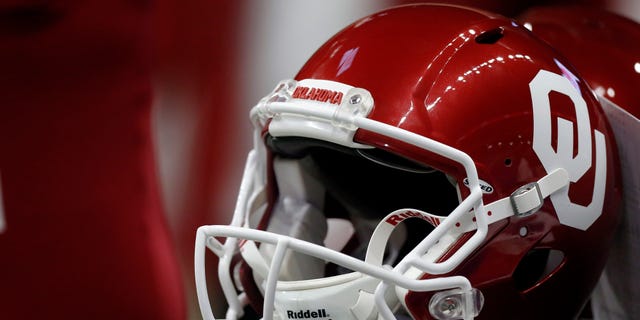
(523, 231)
(355, 99)
(448, 306)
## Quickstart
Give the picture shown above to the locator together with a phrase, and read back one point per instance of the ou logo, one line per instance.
(569, 213)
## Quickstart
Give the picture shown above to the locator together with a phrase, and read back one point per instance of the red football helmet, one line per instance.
(428, 161)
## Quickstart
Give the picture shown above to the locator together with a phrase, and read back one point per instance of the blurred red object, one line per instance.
(85, 231)
(201, 139)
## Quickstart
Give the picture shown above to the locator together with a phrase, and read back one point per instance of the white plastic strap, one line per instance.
(380, 236)
(524, 201)
(251, 255)
(365, 307)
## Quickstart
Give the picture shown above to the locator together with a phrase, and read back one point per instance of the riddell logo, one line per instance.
(307, 314)
(484, 186)
(317, 94)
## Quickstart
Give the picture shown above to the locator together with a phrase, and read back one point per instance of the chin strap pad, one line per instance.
(525, 201)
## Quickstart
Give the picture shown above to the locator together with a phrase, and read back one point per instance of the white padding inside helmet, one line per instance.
(297, 213)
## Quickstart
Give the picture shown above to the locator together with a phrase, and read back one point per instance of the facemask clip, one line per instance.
(456, 304)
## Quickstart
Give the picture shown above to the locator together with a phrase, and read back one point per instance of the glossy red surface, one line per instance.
(430, 72)
(603, 46)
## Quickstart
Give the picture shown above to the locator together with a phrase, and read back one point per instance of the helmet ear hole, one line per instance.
(535, 266)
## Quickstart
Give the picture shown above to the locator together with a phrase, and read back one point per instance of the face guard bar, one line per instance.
(338, 123)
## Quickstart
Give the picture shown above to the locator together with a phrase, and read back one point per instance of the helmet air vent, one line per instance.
(536, 266)
(490, 36)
